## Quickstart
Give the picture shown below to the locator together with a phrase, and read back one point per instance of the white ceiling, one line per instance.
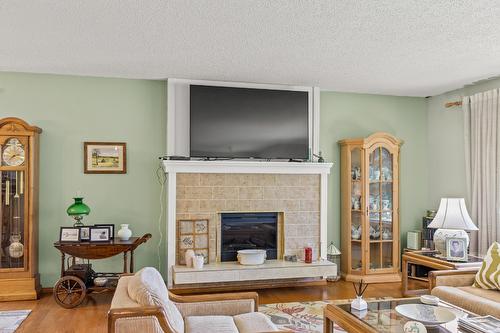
(399, 47)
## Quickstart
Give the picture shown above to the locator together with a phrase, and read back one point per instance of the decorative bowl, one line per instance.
(100, 281)
(251, 257)
(426, 314)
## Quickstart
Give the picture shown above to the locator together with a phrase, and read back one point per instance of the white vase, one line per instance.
(359, 304)
(198, 261)
(124, 233)
(188, 258)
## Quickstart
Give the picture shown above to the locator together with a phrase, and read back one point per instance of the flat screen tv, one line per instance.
(229, 122)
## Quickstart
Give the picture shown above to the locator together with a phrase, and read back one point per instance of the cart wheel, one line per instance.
(69, 291)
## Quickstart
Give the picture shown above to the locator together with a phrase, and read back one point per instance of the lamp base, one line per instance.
(440, 238)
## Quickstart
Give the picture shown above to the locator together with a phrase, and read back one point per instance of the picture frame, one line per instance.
(69, 234)
(456, 248)
(99, 234)
(84, 233)
(193, 234)
(104, 157)
(111, 229)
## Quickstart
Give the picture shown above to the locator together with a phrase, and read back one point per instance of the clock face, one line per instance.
(13, 153)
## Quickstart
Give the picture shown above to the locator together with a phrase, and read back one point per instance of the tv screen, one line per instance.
(228, 122)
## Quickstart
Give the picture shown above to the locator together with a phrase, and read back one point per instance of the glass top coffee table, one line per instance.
(381, 316)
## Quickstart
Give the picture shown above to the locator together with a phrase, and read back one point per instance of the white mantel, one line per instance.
(172, 168)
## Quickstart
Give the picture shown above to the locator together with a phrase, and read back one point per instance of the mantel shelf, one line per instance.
(197, 166)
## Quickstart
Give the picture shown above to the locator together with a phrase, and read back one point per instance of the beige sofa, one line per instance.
(455, 286)
(141, 303)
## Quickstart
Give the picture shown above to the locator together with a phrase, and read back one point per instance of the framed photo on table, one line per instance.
(111, 229)
(456, 248)
(84, 233)
(99, 234)
(105, 157)
(69, 234)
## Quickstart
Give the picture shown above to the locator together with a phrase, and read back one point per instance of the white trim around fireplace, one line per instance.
(171, 168)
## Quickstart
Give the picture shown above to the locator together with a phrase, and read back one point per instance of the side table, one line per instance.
(432, 261)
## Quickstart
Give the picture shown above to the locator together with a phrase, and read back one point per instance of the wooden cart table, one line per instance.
(77, 279)
(433, 262)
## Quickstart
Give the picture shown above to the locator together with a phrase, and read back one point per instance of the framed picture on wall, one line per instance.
(105, 157)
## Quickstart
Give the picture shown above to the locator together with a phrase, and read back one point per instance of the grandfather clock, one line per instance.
(19, 279)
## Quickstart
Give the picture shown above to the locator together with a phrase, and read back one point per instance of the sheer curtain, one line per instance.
(482, 158)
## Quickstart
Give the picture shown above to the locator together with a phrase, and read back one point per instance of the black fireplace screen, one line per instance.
(242, 231)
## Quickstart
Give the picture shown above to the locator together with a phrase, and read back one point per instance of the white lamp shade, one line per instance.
(452, 214)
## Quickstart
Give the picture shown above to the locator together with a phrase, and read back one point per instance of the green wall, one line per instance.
(446, 143)
(347, 115)
(71, 110)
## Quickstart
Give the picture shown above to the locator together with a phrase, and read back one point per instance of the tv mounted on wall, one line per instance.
(234, 122)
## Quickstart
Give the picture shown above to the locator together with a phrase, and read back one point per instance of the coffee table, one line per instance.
(434, 262)
(381, 317)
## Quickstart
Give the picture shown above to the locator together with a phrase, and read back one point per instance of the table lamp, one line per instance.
(77, 210)
(452, 220)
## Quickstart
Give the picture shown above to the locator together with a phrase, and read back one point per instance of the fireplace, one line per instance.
(241, 231)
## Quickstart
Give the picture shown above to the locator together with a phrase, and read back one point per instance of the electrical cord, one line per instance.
(162, 179)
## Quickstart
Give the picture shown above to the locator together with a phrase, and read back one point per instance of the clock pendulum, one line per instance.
(16, 248)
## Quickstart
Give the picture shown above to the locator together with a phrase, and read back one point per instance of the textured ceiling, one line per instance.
(400, 47)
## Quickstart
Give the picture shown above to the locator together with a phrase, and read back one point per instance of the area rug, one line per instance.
(10, 320)
(303, 317)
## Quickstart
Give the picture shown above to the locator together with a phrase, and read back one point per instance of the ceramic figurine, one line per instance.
(198, 261)
(355, 232)
(374, 232)
(386, 234)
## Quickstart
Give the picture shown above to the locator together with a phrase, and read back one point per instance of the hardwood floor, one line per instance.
(47, 316)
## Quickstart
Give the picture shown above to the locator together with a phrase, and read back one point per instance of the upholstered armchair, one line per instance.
(142, 303)
(455, 286)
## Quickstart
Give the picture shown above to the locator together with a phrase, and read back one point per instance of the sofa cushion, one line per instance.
(479, 301)
(204, 324)
(147, 288)
(254, 322)
(488, 277)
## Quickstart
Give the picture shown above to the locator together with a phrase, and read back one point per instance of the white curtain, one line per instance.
(482, 158)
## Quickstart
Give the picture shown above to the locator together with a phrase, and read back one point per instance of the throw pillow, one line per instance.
(488, 277)
(147, 288)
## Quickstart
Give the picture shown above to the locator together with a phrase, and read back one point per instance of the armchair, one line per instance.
(164, 312)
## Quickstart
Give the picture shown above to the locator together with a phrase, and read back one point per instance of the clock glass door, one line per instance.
(12, 203)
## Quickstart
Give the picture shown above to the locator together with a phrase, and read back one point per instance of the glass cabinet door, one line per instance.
(12, 219)
(380, 208)
(356, 210)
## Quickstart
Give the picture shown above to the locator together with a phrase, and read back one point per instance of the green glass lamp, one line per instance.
(77, 210)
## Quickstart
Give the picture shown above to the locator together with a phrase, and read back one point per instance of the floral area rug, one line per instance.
(10, 320)
(303, 317)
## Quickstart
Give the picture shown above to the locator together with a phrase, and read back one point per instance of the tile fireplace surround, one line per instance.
(205, 189)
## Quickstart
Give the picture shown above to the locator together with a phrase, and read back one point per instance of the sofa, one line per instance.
(142, 303)
(455, 287)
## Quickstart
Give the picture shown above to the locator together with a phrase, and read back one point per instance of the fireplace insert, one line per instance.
(242, 231)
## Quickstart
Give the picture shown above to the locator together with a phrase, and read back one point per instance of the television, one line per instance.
(234, 122)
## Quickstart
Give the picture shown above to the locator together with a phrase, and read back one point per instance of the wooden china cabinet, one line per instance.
(370, 208)
(19, 279)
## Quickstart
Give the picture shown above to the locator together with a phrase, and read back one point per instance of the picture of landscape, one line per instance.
(105, 157)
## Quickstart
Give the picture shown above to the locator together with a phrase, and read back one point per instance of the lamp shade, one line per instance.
(452, 214)
(78, 208)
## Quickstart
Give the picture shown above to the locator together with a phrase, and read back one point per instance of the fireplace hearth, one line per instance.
(242, 231)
